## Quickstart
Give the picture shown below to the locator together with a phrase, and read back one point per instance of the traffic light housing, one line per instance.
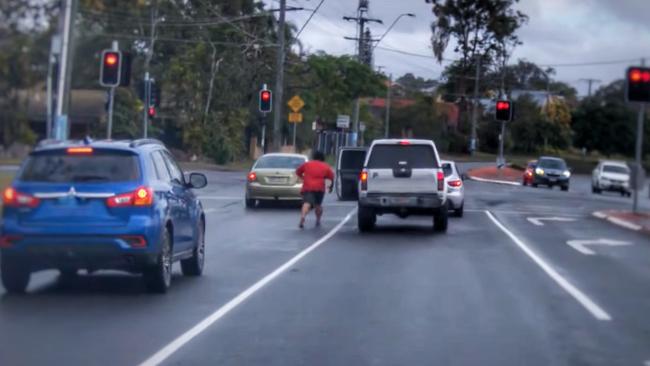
(638, 84)
(503, 111)
(110, 73)
(151, 111)
(266, 101)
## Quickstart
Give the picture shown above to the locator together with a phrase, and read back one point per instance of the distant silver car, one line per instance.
(611, 176)
(455, 187)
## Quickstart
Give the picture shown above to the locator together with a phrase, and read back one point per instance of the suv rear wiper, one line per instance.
(87, 178)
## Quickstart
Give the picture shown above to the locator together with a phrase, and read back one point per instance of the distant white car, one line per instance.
(455, 187)
(611, 176)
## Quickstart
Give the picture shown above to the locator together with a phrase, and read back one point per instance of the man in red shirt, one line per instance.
(313, 174)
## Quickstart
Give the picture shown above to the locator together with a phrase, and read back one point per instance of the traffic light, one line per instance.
(266, 99)
(110, 72)
(151, 111)
(638, 84)
(503, 111)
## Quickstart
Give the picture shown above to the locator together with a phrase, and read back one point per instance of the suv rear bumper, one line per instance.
(423, 203)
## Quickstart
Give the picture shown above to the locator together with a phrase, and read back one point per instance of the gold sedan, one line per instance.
(273, 178)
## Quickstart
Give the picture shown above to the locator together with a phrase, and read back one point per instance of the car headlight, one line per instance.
(539, 171)
(566, 173)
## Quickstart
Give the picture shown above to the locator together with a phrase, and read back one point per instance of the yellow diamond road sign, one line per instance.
(296, 103)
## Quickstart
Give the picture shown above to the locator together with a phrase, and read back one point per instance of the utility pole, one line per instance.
(388, 92)
(55, 51)
(279, 79)
(639, 152)
(63, 83)
(590, 82)
(473, 145)
(361, 19)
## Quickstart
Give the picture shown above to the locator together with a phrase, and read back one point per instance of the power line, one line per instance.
(309, 19)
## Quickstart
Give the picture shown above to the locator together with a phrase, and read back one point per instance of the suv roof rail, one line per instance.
(141, 142)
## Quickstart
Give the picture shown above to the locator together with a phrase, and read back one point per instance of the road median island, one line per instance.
(639, 222)
(492, 174)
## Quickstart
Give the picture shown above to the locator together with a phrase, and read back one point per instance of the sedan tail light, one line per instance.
(141, 197)
(441, 181)
(13, 198)
(455, 183)
(252, 177)
(363, 178)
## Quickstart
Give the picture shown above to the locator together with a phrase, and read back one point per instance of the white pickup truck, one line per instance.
(402, 177)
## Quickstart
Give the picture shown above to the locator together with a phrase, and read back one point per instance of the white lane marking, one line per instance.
(199, 328)
(538, 220)
(222, 198)
(515, 212)
(623, 223)
(209, 210)
(581, 245)
(647, 363)
(599, 214)
(567, 286)
(494, 181)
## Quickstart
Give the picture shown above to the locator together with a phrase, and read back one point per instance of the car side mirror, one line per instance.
(197, 181)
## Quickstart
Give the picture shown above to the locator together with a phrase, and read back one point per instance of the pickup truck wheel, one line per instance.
(15, 275)
(366, 219)
(440, 219)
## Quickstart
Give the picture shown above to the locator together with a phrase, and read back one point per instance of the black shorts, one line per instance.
(313, 198)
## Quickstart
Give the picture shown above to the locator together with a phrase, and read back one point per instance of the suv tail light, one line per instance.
(252, 177)
(455, 183)
(363, 177)
(13, 198)
(441, 181)
(7, 241)
(141, 197)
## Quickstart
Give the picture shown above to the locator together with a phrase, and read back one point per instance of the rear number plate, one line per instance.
(278, 180)
(402, 201)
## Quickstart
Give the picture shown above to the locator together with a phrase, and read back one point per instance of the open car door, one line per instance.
(349, 164)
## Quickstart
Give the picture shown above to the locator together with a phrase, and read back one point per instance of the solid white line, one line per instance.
(623, 223)
(514, 212)
(494, 181)
(647, 363)
(209, 210)
(199, 328)
(600, 214)
(583, 299)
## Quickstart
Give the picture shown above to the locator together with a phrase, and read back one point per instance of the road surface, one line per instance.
(502, 287)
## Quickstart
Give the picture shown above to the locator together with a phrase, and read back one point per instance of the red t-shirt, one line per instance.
(313, 174)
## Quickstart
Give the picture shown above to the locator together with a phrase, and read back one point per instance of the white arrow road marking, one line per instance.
(581, 245)
(538, 220)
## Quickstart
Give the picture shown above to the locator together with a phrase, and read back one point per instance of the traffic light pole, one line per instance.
(111, 101)
(473, 144)
(502, 137)
(639, 152)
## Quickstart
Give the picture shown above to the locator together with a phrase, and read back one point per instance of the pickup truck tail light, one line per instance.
(441, 181)
(363, 178)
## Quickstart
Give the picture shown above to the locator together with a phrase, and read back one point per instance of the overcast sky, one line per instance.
(558, 32)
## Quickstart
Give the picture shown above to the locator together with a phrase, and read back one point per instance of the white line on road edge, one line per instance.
(494, 181)
(583, 299)
(199, 328)
(623, 223)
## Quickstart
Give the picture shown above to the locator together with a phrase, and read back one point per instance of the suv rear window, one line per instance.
(388, 156)
(98, 167)
(352, 159)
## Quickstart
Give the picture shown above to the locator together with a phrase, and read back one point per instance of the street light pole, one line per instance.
(388, 90)
(279, 79)
(391, 27)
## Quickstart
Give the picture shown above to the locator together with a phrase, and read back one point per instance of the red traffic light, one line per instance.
(638, 84)
(266, 96)
(503, 105)
(151, 111)
(111, 59)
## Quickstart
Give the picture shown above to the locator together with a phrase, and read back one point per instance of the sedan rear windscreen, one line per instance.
(389, 156)
(279, 162)
(98, 167)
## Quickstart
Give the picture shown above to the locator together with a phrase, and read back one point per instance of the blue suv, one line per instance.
(102, 205)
